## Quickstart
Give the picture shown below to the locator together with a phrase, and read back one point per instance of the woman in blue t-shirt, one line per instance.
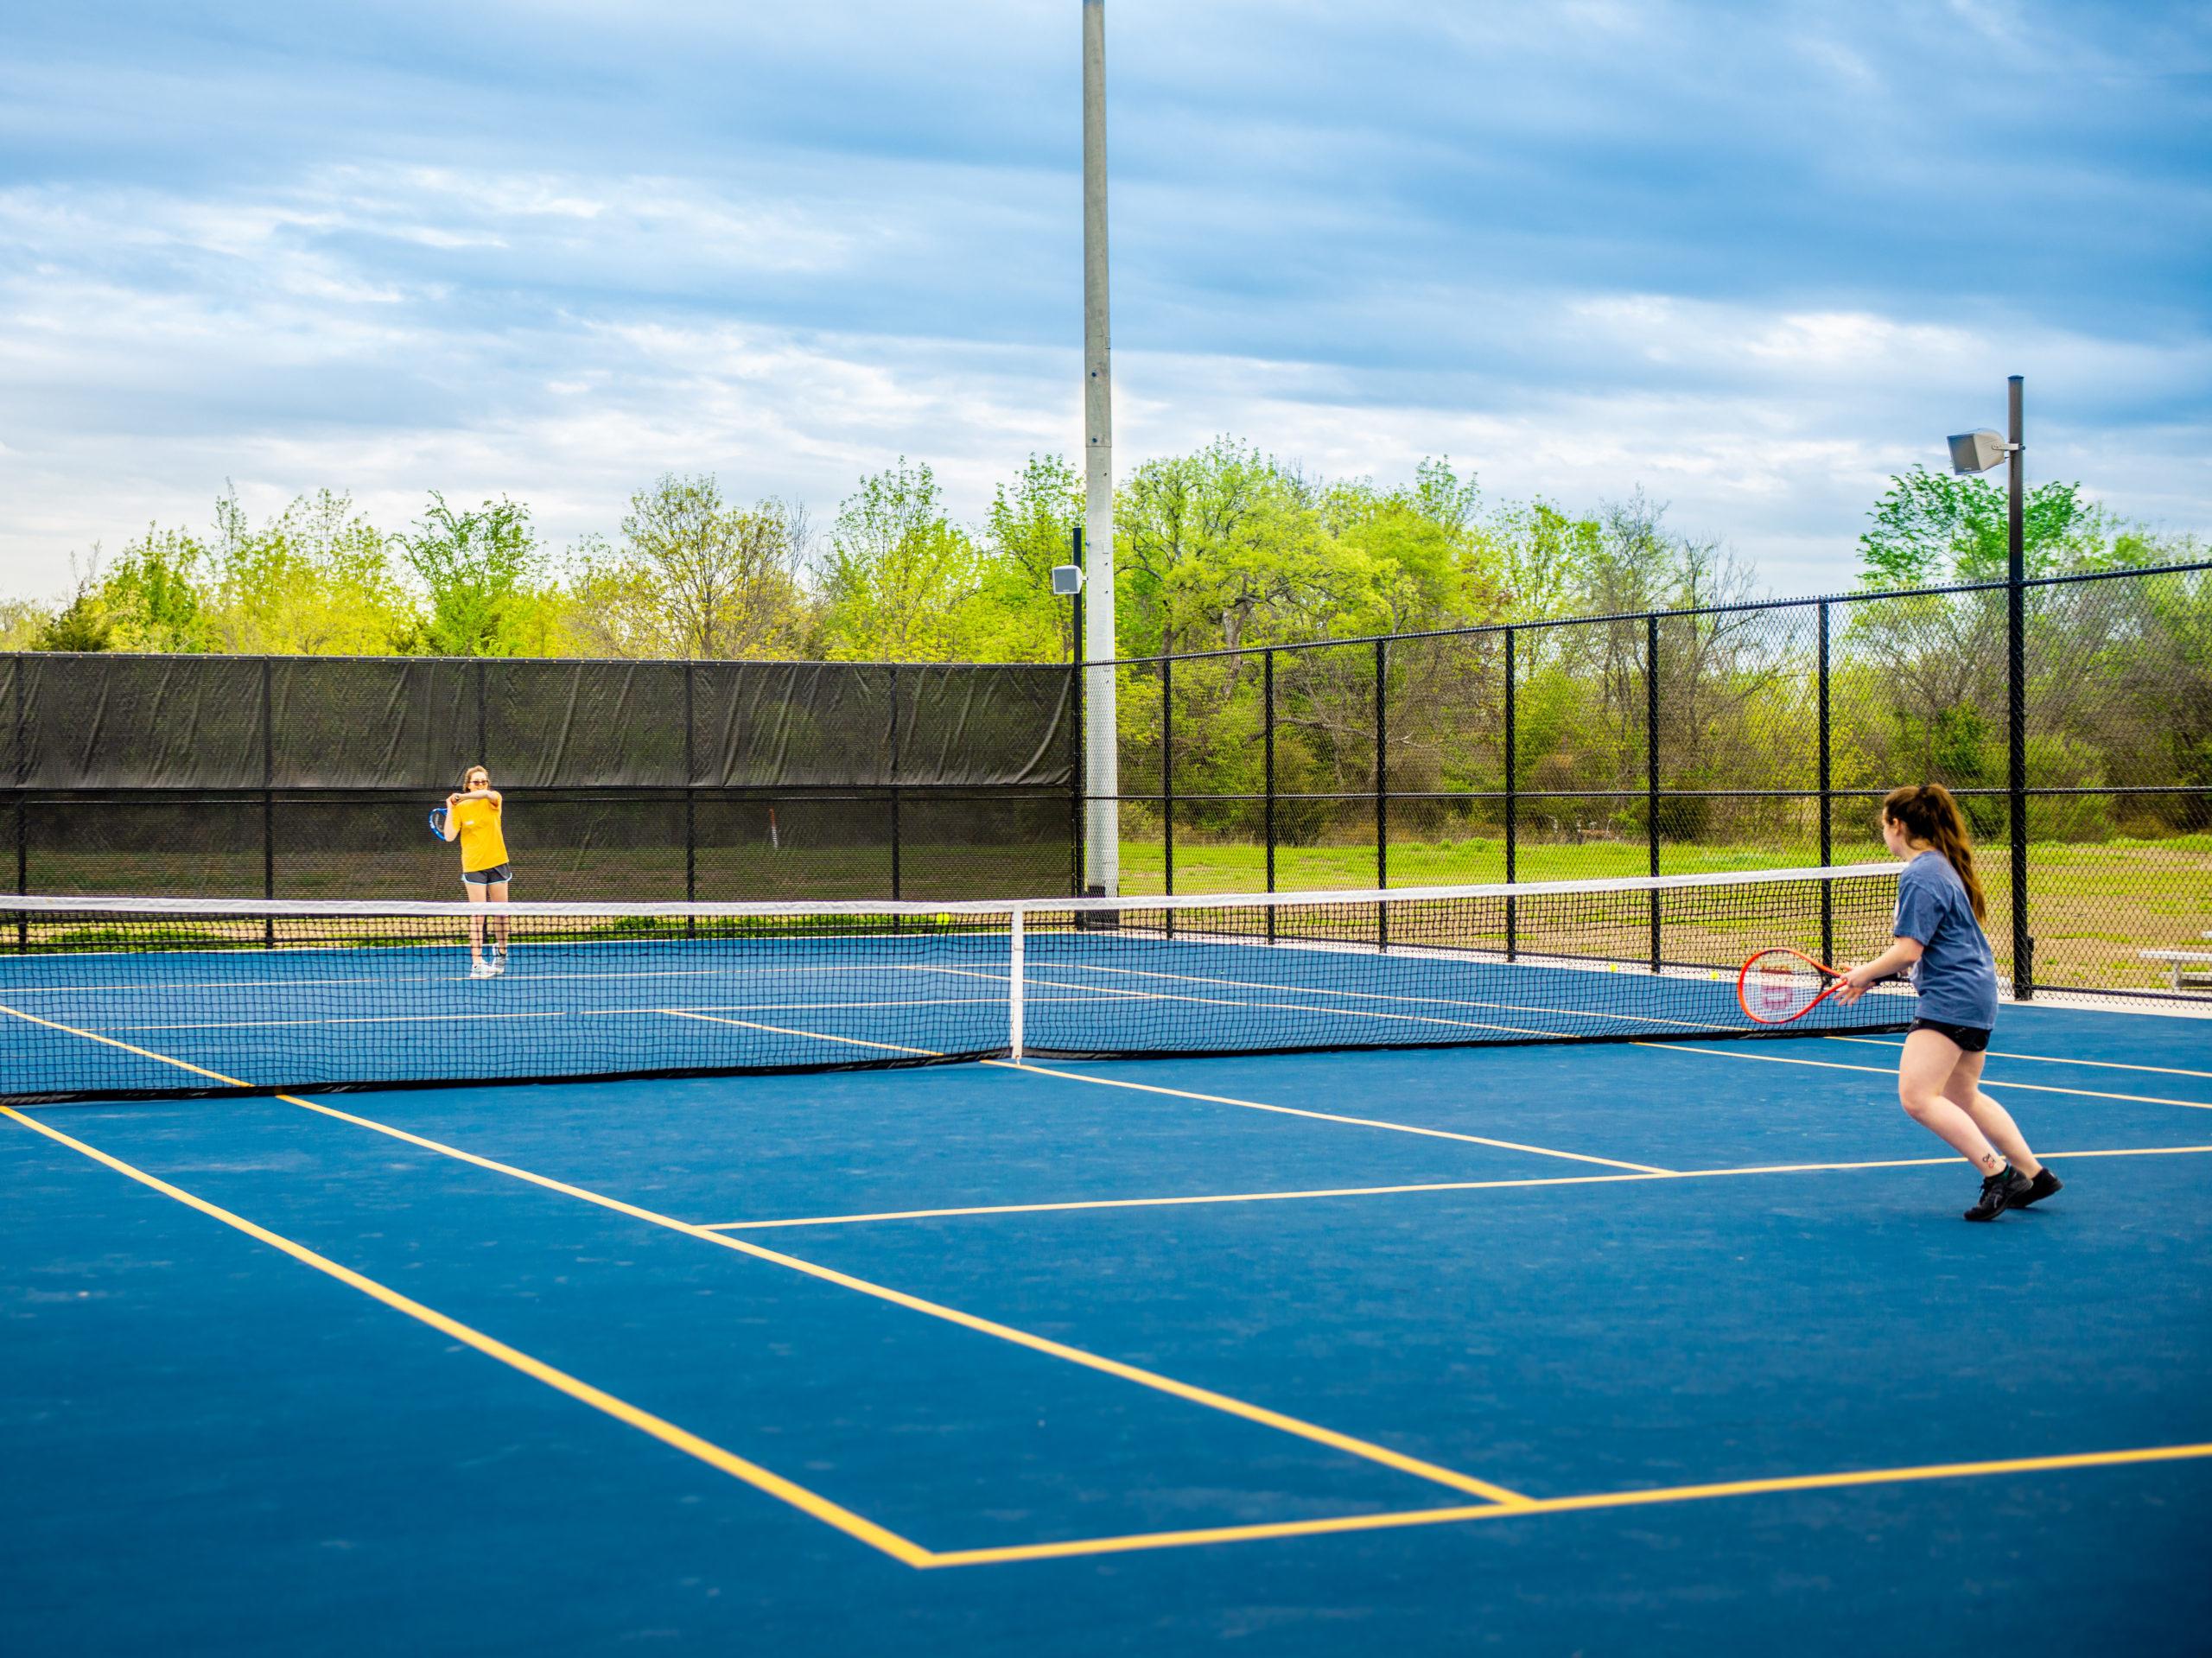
(1939, 938)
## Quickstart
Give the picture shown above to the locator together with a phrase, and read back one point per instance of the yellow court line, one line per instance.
(1884, 1070)
(1351, 1445)
(1157, 1539)
(1152, 1378)
(1328, 1116)
(810, 1504)
(2042, 1058)
(1398, 1191)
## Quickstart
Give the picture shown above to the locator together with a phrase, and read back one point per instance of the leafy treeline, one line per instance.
(1222, 547)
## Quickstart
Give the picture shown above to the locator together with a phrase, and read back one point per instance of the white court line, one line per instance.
(816, 1036)
(1425, 1001)
(574, 1012)
(1884, 1071)
(458, 978)
(2041, 1058)
(1321, 1117)
(1127, 996)
(1329, 1192)
(1311, 1007)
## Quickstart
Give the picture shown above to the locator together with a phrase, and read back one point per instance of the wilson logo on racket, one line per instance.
(1779, 985)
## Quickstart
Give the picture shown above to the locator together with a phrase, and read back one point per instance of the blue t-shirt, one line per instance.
(1956, 976)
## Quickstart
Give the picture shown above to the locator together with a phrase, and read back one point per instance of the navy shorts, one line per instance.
(1969, 1038)
(487, 877)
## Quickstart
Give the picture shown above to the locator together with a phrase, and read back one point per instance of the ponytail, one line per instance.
(1928, 814)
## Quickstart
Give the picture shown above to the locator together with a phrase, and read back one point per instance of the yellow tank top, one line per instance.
(482, 845)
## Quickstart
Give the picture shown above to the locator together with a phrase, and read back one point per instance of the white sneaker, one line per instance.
(498, 964)
(481, 971)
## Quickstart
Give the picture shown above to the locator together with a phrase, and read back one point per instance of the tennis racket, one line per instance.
(437, 822)
(1777, 986)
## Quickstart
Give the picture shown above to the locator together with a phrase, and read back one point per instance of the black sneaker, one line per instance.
(2000, 1191)
(2040, 1187)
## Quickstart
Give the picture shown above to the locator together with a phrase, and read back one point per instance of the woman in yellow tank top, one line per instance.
(473, 817)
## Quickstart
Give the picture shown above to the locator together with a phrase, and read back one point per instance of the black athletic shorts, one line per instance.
(1970, 1039)
(487, 877)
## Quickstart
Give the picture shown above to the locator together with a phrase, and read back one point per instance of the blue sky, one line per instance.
(1750, 259)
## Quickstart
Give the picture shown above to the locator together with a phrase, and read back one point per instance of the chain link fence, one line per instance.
(1736, 737)
(306, 776)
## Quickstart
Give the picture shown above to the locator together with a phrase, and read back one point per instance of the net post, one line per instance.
(1267, 719)
(1167, 781)
(1651, 768)
(1016, 956)
(1512, 905)
(2016, 699)
(268, 798)
(1827, 799)
(1382, 788)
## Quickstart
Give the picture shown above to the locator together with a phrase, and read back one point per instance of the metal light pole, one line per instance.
(1973, 452)
(1102, 783)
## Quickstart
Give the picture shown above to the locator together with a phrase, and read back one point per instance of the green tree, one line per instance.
(1933, 527)
(156, 593)
(476, 569)
(695, 576)
(899, 571)
(24, 622)
(316, 580)
(1436, 563)
(1029, 528)
(1229, 548)
(83, 624)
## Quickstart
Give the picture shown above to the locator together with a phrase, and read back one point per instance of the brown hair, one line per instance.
(473, 770)
(1928, 814)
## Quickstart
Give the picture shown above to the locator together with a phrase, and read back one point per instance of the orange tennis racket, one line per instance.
(1777, 986)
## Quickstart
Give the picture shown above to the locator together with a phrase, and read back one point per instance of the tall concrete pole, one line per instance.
(1101, 771)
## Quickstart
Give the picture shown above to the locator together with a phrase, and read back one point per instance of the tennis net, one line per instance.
(118, 998)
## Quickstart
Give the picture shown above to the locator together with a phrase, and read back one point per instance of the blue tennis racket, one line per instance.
(437, 822)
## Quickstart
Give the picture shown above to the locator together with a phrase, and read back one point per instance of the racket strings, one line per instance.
(1781, 984)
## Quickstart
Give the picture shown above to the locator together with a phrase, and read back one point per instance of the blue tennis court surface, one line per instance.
(1667, 1348)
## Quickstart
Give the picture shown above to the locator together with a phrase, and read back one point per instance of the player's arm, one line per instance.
(1892, 961)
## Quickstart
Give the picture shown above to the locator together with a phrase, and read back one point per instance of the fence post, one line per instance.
(896, 891)
(1827, 799)
(268, 798)
(19, 774)
(1168, 780)
(2016, 709)
(1651, 767)
(1381, 788)
(1512, 786)
(1268, 701)
(690, 793)
(1075, 747)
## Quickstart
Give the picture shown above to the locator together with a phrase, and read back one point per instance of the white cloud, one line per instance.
(1615, 244)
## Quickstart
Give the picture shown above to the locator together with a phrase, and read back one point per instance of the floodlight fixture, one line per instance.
(1977, 451)
(1067, 581)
